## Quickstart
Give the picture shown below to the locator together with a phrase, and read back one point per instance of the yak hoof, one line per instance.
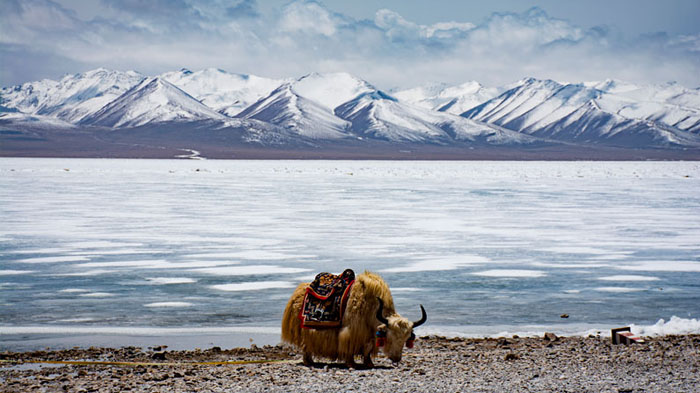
(350, 362)
(308, 359)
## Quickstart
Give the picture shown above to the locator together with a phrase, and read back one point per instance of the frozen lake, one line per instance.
(177, 247)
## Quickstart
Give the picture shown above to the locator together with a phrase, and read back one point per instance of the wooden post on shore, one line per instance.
(625, 336)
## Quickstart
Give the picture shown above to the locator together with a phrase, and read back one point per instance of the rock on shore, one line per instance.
(435, 364)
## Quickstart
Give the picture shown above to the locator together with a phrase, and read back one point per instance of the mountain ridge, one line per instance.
(327, 110)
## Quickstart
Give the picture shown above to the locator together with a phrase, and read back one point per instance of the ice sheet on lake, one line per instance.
(219, 230)
(663, 266)
(249, 270)
(569, 265)
(628, 278)
(72, 258)
(87, 273)
(168, 304)
(511, 273)
(170, 280)
(619, 289)
(253, 286)
(438, 264)
(402, 289)
(10, 272)
(97, 294)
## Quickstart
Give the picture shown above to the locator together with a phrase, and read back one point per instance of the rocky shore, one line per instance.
(435, 364)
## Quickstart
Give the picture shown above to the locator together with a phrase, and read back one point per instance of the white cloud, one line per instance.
(307, 17)
(304, 36)
(522, 32)
(444, 30)
(687, 42)
(397, 28)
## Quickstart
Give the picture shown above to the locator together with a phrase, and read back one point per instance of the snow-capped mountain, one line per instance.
(451, 99)
(573, 113)
(151, 101)
(286, 108)
(378, 115)
(73, 97)
(339, 105)
(331, 89)
(341, 110)
(307, 105)
(222, 91)
(671, 104)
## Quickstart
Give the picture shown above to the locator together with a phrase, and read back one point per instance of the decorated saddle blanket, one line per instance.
(325, 300)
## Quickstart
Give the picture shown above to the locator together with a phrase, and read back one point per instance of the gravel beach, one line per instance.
(435, 364)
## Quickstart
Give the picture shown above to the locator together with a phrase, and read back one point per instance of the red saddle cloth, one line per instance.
(325, 300)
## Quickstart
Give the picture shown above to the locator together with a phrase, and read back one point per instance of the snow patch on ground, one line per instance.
(674, 326)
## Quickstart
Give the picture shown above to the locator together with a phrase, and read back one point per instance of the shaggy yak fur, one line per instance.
(356, 336)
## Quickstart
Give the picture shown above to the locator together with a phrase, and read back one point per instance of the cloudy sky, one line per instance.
(393, 43)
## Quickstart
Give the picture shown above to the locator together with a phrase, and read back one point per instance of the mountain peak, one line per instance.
(154, 100)
(331, 89)
(445, 98)
(284, 107)
(535, 82)
(224, 92)
(74, 96)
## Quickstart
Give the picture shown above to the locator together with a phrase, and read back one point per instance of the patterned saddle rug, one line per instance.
(325, 300)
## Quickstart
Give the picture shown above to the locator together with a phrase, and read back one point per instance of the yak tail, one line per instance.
(291, 325)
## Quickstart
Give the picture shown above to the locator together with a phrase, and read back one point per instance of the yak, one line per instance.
(369, 312)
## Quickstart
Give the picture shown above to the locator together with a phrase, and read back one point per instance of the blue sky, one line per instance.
(393, 44)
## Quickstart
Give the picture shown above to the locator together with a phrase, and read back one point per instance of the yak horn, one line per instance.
(380, 316)
(422, 319)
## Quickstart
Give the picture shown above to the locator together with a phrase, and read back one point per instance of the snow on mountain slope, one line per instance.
(331, 89)
(427, 96)
(334, 106)
(306, 105)
(27, 97)
(285, 108)
(17, 118)
(73, 97)
(591, 125)
(444, 98)
(671, 103)
(378, 115)
(222, 91)
(571, 113)
(530, 101)
(339, 105)
(152, 101)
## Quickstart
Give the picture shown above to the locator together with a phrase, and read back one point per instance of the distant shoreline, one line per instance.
(61, 337)
(612, 156)
(187, 144)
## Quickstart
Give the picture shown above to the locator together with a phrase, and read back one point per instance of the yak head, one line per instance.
(396, 331)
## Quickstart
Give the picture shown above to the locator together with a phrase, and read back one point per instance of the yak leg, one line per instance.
(367, 361)
(308, 359)
(350, 361)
